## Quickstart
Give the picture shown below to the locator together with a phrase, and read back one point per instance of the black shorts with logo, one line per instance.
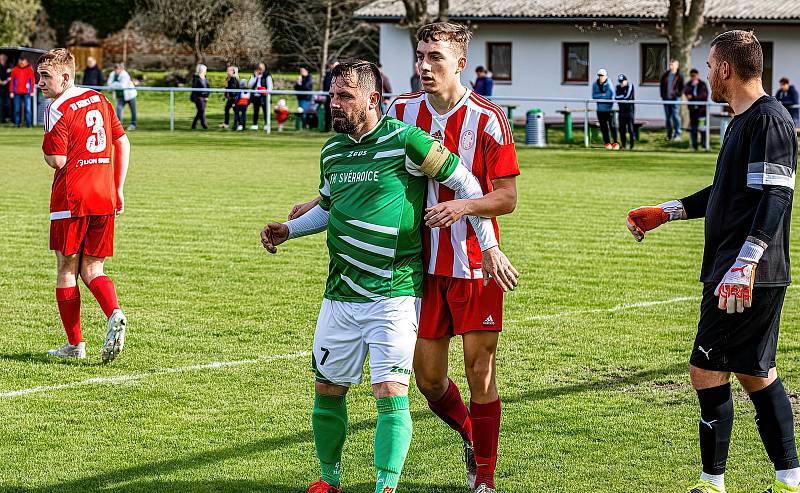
(739, 342)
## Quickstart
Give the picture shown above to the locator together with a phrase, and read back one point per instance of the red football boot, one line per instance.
(323, 487)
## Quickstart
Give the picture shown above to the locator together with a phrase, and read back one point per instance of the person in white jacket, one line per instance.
(124, 92)
(261, 82)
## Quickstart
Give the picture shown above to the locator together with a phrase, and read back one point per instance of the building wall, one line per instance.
(537, 59)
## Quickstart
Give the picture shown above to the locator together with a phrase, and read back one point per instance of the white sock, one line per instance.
(717, 480)
(789, 476)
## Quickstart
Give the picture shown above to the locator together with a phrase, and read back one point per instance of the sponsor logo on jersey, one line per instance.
(354, 176)
(489, 321)
(94, 160)
(438, 135)
(85, 102)
(468, 140)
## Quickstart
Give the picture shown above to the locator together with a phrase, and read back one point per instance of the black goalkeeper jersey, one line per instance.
(751, 194)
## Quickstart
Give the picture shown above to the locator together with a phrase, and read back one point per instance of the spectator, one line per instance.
(627, 114)
(387, 89)
(240, 110)
(416, 80)
(671, 86)
(231, 82)
(92, 75)
(281, 114)
(200, 98)
(696, 90)
(483, 85)
(304, 83)
(602, 89)
(124, 92)
(23, 84)
(326, 86)
(5, 74)
(261, 81)
(788, 97)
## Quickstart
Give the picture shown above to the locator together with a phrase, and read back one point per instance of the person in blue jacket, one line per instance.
(787, 96)
(602, 89)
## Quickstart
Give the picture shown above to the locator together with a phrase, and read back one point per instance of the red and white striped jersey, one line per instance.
(478, 132)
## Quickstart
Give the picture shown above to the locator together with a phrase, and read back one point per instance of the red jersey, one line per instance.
(81, 125)
(478, 132)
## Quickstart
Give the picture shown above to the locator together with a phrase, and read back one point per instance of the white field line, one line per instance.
(617, 308)
(141, 376)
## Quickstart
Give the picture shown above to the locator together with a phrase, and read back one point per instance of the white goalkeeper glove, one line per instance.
(735, 291)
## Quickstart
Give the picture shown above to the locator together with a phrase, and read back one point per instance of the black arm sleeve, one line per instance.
(695, 205)
(772, 166)
(770, 211)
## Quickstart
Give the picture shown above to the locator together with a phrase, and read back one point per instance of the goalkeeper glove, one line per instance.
(644, 219)
(735, 291)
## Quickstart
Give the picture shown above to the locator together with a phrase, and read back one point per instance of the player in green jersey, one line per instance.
(373, 176)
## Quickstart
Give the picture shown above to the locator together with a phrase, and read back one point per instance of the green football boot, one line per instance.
(704, 486)
(781, 487)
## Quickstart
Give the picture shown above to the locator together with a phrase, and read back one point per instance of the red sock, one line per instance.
(452, 410)
(69, 307)
(102, 287)
(486, 430)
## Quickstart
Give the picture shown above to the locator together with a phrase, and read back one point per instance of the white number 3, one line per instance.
(97, 141)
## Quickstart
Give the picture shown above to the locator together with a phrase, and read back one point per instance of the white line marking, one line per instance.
(141, 376)
(642, 304)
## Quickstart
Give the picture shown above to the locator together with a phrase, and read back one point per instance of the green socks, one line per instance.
(329, 421)
(392, 439)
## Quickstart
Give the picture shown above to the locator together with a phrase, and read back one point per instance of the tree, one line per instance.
(194, 24)
(106, 18)
(683, 30)
(17, 21)
(417, 16)
(313, 32)
(244, 36)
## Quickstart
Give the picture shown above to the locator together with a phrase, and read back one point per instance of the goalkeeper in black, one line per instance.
(745, 269)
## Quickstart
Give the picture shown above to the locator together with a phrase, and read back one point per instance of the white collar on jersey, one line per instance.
(461, 102)
(371, 131)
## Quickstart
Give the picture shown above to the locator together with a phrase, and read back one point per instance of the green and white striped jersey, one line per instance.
(374, 190)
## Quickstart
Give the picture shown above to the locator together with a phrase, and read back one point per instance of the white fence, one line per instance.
(585, 105)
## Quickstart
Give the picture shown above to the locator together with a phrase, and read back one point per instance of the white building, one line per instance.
(553, 48)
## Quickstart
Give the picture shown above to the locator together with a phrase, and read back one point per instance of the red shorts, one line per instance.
(90, 235)
(452, 306)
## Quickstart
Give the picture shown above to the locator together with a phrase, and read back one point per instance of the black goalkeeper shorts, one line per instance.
(739, 342)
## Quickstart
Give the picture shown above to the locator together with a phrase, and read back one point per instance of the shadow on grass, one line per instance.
(44, 358)
(137, 478)
(233, 486)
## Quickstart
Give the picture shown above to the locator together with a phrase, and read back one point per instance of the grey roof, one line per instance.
(722, 10)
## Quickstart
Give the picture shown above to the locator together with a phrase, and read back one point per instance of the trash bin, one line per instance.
(298, 119)
(535, 134)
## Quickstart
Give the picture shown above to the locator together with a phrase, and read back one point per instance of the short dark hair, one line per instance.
(480, 68)
(458, 35)
(742, 51)
(694, 71)
(359, 73)
(784, 80)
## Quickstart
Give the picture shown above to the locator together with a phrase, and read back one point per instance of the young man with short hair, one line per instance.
(671, 88)
(696, 91)
(373, 177)
(745, 270)
(87, 194)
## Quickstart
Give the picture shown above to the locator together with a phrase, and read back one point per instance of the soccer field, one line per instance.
(214, 390)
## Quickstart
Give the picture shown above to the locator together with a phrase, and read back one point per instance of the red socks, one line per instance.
(69, 307)
(486, 430)
(102, 287)
(452, 410)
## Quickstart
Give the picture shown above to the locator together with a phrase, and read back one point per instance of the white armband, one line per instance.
(466, 186)
(310, 223)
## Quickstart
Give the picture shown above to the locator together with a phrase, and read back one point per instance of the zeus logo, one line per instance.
(356, 153)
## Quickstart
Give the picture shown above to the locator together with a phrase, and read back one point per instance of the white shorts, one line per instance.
(346, 332)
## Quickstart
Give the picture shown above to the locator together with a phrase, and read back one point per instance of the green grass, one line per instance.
(593, 400)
